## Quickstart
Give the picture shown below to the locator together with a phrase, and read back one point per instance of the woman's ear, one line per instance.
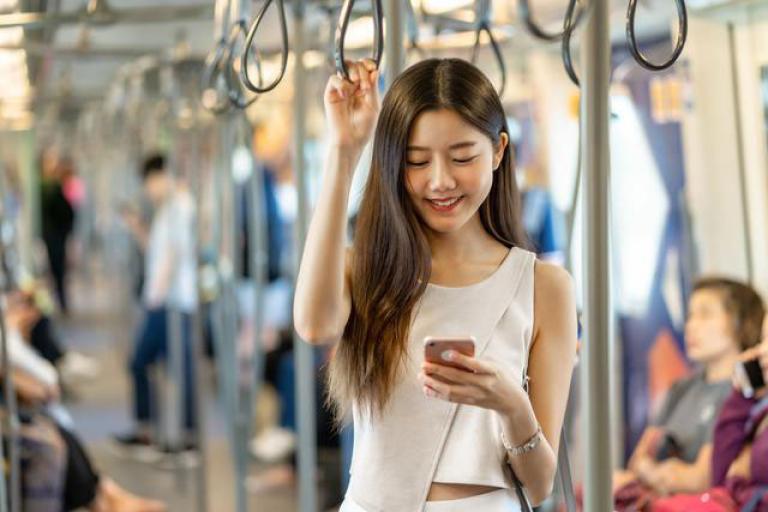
(498, 153)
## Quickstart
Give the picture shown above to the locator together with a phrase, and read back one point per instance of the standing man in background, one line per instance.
(169, 285)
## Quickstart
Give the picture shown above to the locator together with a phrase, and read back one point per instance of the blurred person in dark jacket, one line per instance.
(57, 218)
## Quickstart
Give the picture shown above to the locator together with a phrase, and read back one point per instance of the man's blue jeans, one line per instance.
(152, 346)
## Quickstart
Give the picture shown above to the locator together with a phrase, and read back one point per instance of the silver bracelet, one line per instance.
(526, 447)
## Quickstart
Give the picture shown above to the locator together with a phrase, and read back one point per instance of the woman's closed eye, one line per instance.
(424, 163)
(465, 160)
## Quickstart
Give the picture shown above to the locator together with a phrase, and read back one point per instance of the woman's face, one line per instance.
(709, 330)
(449, 169)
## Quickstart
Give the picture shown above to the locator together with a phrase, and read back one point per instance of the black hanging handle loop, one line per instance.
(234, 87)
(572, 17)
(249, 40)
(211, 72)
(525, 14)
(682, 35)
(485, 27)
(412, 27)
(341, 34)
(483, 24)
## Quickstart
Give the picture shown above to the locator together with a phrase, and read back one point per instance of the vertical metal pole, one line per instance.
(174, 390)
(394, 48)
(196, 184)
(258, 248)
(240, 9)
(220, 19)
(3, 339)
(13, 428)
(596, 165)
(302, 352)
(242, 417)
(224, 307)
(747, 224)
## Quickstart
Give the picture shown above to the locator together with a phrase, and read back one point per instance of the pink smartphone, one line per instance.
(434, 346)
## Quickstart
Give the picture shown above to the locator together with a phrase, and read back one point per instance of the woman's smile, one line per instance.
(446, 205)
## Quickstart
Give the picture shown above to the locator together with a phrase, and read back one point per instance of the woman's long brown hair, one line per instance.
(391, 262)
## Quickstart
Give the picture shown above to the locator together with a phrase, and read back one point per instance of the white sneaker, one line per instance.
(76, 367)
(273, 444)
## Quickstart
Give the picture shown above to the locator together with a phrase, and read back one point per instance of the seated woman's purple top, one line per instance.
(736, 427)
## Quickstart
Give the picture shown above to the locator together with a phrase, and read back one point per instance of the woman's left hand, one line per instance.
(481, 384)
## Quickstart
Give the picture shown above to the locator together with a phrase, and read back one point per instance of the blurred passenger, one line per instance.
(169, 289)
(674, 454)
(43, 455)
(57, 472)
(57, 217)
(740, 452)
(38, 330)
(50, 442)
(543, 224)
(740, 459)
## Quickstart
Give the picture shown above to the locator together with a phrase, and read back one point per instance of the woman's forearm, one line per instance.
(759, 459)
(320, 309)
(535, 469)
(729, 436)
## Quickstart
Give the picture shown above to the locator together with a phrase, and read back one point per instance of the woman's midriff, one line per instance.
(445, 492)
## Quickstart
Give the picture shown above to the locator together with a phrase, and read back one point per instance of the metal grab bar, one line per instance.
(341, 34)
(251, 36)
(569, 26)
(483, 24)
(211, 73)
(484, 27)
(682, 35)
(524, 12)
(234, 88)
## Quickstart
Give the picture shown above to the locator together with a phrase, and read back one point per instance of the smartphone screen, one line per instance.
(749, 376)
(434, 347)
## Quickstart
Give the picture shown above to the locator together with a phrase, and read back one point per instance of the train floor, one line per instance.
(101, 325)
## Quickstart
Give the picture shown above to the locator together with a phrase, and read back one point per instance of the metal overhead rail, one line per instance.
(100, 13)
(254, 28)
(341, 34)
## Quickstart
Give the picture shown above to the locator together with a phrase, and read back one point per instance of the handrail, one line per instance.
(483, 24)
(341, 34)
(682, 35)
(250, 38)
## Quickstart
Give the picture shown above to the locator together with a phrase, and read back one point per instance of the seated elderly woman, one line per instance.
(674, 454)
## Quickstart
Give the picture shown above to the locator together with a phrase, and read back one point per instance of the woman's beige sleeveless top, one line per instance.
(418, 440)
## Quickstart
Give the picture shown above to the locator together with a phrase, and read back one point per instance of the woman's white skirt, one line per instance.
(503, 500)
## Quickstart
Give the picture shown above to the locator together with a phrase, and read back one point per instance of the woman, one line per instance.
(740, 460)
(674, 454)
(437, 252)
